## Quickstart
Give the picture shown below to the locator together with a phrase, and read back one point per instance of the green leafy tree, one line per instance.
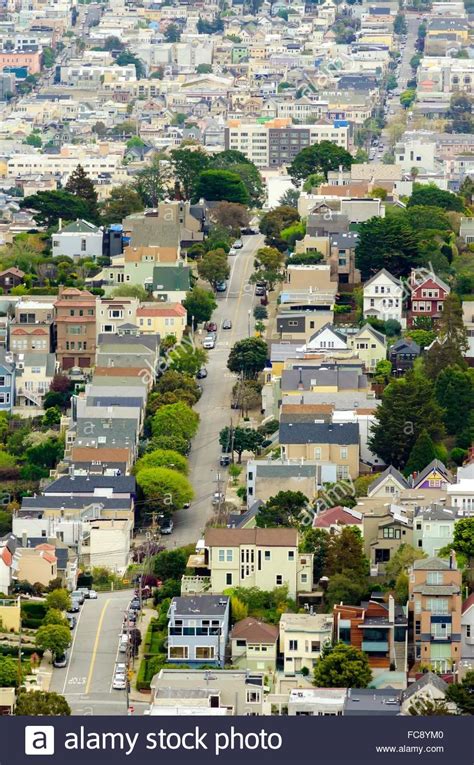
(54, 616)
(313, 181)
(122, 201)
(230, 215)
(172, 380)
(318, 158)
(50, 206)
(200, 304)
(177, 419)
(462, 694)
(59, 600)
(402, 560)
(463, 540)
(454, 390)
(452, 342)
(408, 97)
(48, 56)
(432, 196)
(187, 358)
(53, 637)
(170, 564)
(248, 357)
(316, 541)
(125, 57)
(41, 704)
(239, 610)
(81, 186)
(269, 263)
(345, 554)
(187, 168)
(422, 337)
(173, 442)
(51, 417)
(386, 243)
(260, 312)
(8, 672)
(284, 509)
(274, 222)
(343, 588)
(408, 407)
(172, 33)
(164, 487)
(152, 182)
(342, 666)
(131, 290)
(289, 198)
(34, 140)
(239, 440)
(214, 267)
(383, 371)
(421, 454)
(215, 185)
(167, 458)
(401, 589)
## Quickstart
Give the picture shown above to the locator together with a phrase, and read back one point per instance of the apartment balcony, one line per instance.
(194, 585)
(380, 646)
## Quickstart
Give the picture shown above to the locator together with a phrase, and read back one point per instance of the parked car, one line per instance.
(74, 607)
(120, 668)
(167, 526)
(186, 505)
(135, 604)
(202, 373)
(218, 497)
(224, 460)
(123, 645)
(211, 326)
(238, 244)
(79, 595)
(232, 251)
(61, 660)
(84, 590)
(208, 343)
(260, 290)
(227, 324)
(71, 620)
(119, 683)
(92, 595)
(221, 286)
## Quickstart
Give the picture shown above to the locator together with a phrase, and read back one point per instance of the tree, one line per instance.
(452, 343)
(187, 168)
(342, 666)
(125, 57)
(402, 560)
(113, 43)
(131, 290)
(408, 407)
(248, 357)
(51, 417)
(316, 541)
(313, 181)
(432, 196)
(215, 185)
(386, 243)
(240, 439)
(346, 555)
(164, 487)
(177, 419)
(213, 267)
(82, 187)
(462, 694)
(230, 215)
(200, 304)
(454, 391)
(152, 182)
(402, 589)
(383, 371)
(172, 33)
(50, 206)
(269, 263)
(167, 458)
(174, 443)
(260, 312)
(53, 637)
(422, 337)
(170, 564)
(421, 454)
(274, 222)
(284, 509)
(204, 68)
(463, 540)
(239, 609)
(408, 97)
(172, 381)
(34, 140)
(187, 358)
(54, 616)
(290, 198)
(122, 201)
(41, 704)
(427, 707)
(58, 599)
(318, 158)
(343, 588)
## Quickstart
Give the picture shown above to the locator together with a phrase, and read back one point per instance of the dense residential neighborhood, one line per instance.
(236, 358)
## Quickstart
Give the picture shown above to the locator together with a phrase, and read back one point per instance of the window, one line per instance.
(292, 645)
(291, 554)
(2, 381)
(267, 555)
(304, 578)
(241, 643)
(417, 627)
(278, 579)
(228, 578)
(205, 652)
(343, 452)
(83, 245)
(438, 606)
(315, 646)
(434, 577)
(178, 652)
(253, 696)
(468, 630)
(317, 453)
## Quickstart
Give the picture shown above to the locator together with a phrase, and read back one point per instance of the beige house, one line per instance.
(324, 442)
(312, 244)
(370, 346)
(254, 645)
(10, 614)
(162, 319)
(263, 558)
(384, 530)
(33, 565)
(302, 638)
(312, 278)
(107, 544)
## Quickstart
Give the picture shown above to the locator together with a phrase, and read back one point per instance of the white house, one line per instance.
(461, 496)
(388, 484)
(325, 339)
(383, 297)
(79, 239)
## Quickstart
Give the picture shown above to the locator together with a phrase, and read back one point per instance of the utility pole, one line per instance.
(19, 672)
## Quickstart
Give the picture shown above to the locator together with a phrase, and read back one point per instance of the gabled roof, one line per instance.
(377, 335)
(390, 471)
(433, 465)
(343, 516)
(405, 345)
(468, 603)
(431, 564)
(14, 271)
(329, 327)
(79, 226)
(383, 272)
(429, 678)
(255, 631)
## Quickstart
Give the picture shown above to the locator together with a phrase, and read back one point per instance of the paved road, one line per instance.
(87, 680)
(214, 405)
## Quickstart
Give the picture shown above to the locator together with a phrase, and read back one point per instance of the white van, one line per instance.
(123, 645)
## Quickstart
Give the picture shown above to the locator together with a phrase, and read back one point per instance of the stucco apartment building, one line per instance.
(33, 564)
(75, 312)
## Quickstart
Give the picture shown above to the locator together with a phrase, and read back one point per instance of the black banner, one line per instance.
(201, 740)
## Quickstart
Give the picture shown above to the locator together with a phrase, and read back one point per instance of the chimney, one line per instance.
(391, 609)
(60, 225)
(24, 539)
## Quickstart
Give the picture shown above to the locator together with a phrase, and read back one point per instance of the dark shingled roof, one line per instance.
(343, 433)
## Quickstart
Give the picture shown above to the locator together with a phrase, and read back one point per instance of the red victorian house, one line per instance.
(428, 293)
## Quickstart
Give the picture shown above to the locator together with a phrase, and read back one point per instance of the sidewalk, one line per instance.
(145, 618)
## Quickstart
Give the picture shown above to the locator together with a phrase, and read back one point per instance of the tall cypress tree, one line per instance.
(81, 186)
(421, 455)
(454, 390)
(452, 343)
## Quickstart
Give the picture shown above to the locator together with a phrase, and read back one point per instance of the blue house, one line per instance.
(7, 383)
(198, 629)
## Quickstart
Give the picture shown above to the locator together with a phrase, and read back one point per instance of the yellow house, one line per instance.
(325, 442)
(32, 565)
(302, 639)
(10, 618)
(163, 319)
(370, 346)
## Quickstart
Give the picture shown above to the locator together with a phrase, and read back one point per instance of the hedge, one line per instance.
(31, 623)
(12, 650)
(34, 609)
